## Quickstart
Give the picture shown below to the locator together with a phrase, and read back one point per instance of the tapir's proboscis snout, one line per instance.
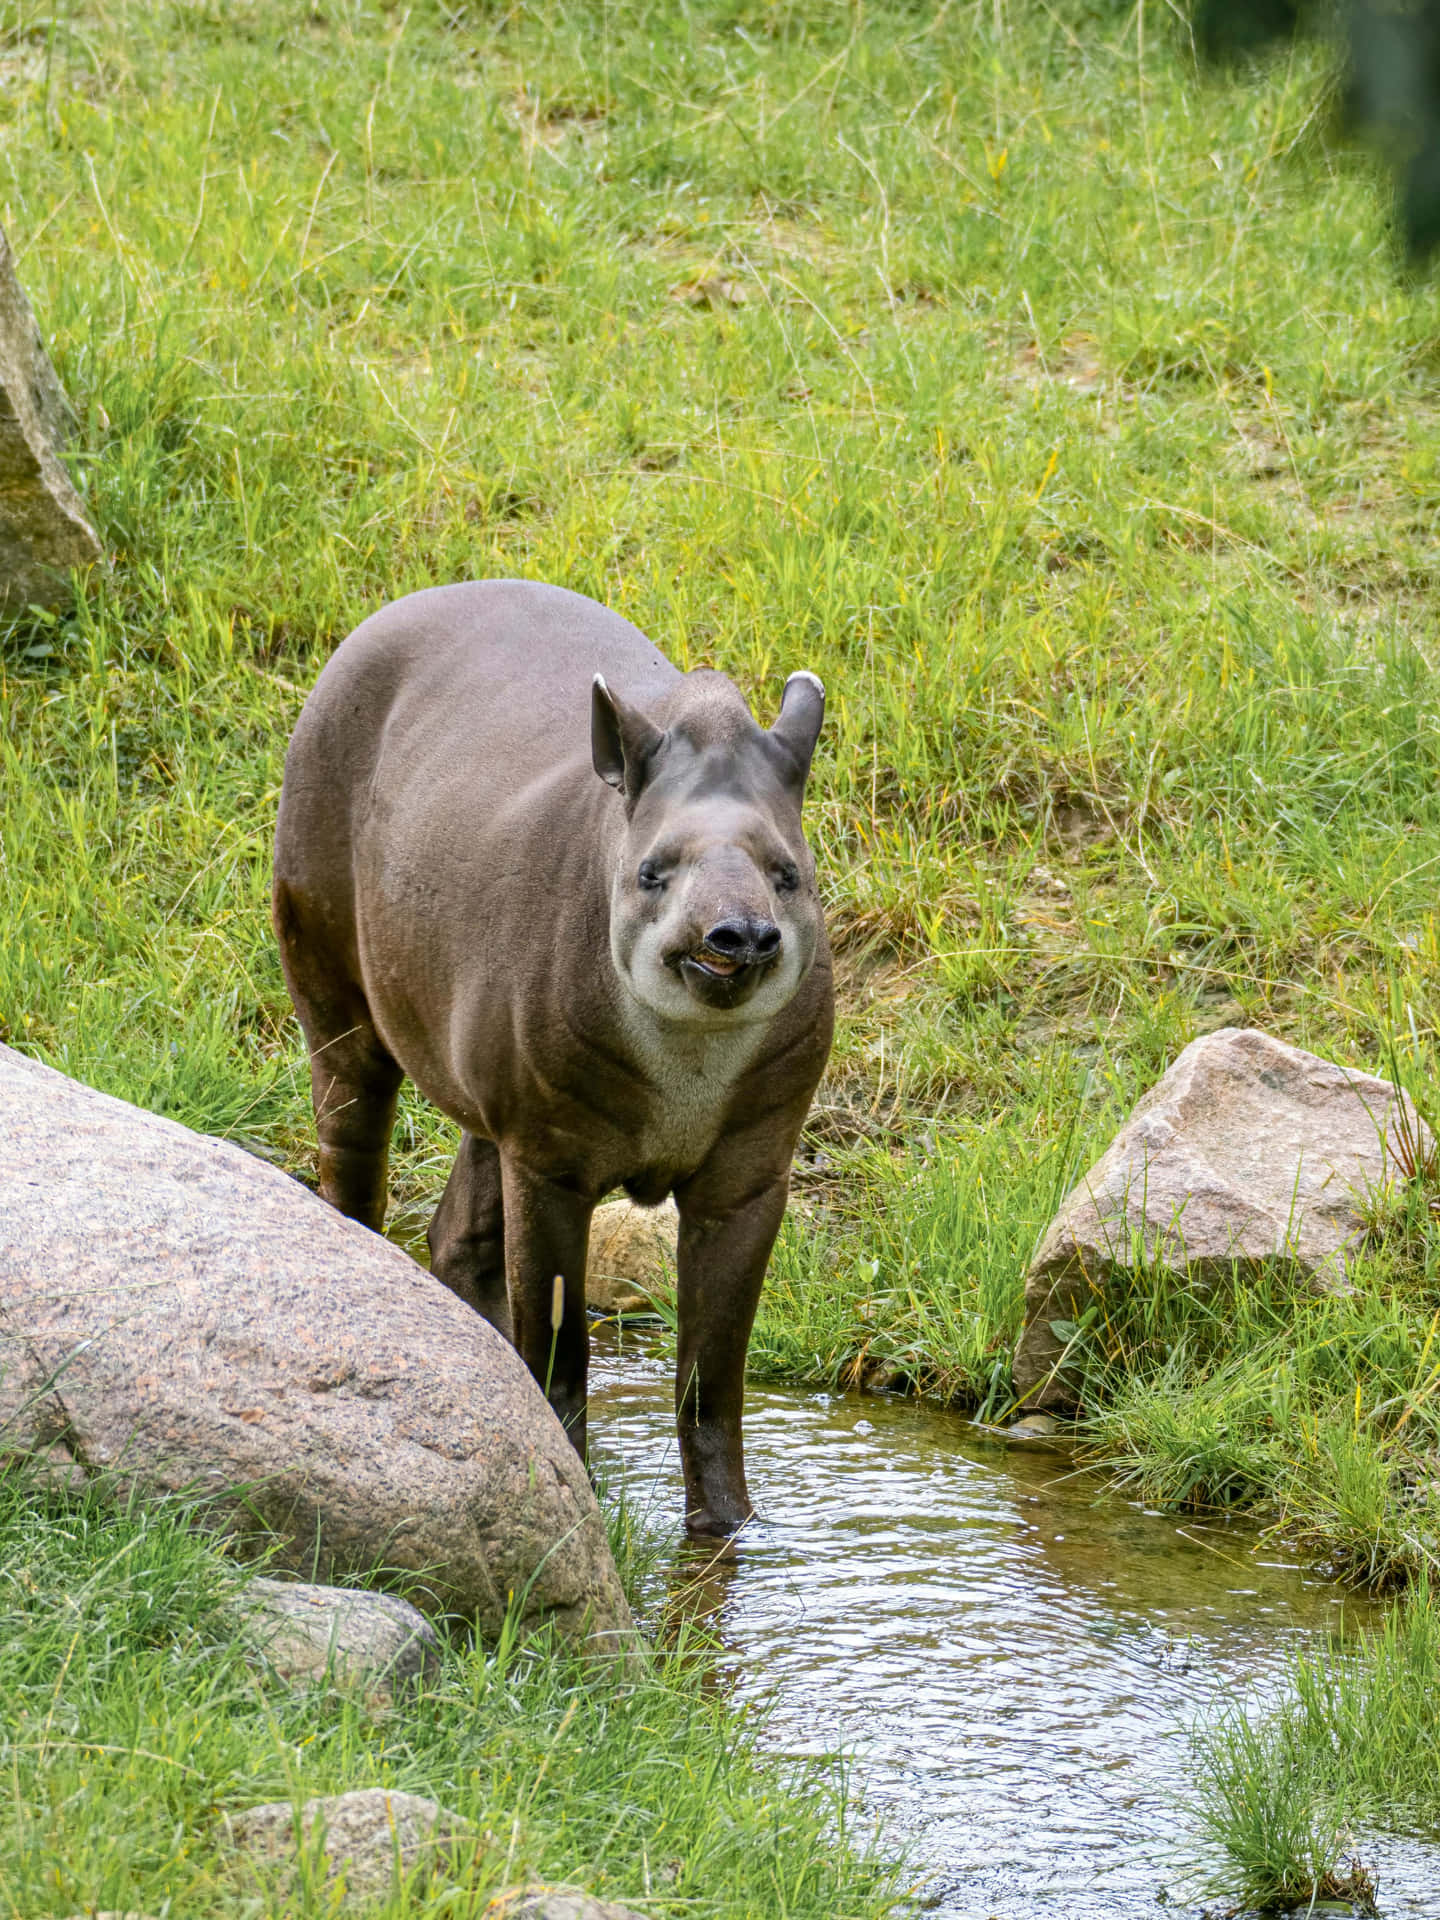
(612, 982)
(732, 945)
(729, 961)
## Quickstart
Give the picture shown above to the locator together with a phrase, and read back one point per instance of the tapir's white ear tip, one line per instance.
(813, 678)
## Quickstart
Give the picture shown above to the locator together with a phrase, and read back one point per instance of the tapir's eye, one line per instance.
(787, 878)
(650, 878)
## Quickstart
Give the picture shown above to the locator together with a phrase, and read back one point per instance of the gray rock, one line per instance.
(374, 1839)
(43, 528)
(556, 1903)
(1249, 1155)
(632, 1256)
(372, 1640)
(175, 1314)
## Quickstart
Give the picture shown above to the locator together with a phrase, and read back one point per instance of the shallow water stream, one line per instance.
(1009, 1659)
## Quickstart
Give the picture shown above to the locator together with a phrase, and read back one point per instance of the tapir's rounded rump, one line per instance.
(179, 1316)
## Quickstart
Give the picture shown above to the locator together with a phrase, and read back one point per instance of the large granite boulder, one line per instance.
(175, 1314)
(43, 528)
(1248, 1154)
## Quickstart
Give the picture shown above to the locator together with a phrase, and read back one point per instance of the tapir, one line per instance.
(563, 886)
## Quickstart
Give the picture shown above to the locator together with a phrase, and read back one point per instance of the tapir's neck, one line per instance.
(693, 1049)
(690, 1073)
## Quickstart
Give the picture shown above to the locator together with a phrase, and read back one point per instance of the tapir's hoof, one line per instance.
(706, 1525)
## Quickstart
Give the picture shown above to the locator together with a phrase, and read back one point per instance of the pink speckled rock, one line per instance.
(1247, 1154)
(178, 1315)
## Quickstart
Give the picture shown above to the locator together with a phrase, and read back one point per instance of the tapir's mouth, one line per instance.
(720, 980)
(718, 965)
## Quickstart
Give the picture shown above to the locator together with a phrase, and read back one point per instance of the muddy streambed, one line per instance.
(1009, 1660)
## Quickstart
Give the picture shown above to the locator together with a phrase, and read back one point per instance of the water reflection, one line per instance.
(1010, 1661)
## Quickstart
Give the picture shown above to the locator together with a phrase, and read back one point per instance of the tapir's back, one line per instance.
(442, 709)
(465, 677)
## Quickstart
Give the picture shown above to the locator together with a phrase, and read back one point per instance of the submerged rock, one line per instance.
(1036, 1426)
(375, 1838)
(1249, 1154)
(43, 529)
(632, 1256)
(383, 1645)
(177, 1316)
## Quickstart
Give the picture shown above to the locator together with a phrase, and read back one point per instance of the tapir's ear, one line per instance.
(802, 708)
(622, 741)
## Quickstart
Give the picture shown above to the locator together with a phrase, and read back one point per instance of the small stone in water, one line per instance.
(1036, 1425)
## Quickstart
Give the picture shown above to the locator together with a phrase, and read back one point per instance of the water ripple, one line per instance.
(1009, 1661)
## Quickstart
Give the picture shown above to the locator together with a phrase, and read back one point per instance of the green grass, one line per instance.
(1061, 407)
(911, 1272)
(133, 1721)
(1262, 1428)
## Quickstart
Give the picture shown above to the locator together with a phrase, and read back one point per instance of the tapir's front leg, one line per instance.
(727, 1228)
(547, 1229)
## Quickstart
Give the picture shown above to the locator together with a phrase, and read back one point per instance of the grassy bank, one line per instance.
(1062, 408)
(1351, 1748)
(134, 1721)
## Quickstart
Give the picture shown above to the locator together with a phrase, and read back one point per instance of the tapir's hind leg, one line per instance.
(354, 1080)
(467, 1232)
(354, 1084)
